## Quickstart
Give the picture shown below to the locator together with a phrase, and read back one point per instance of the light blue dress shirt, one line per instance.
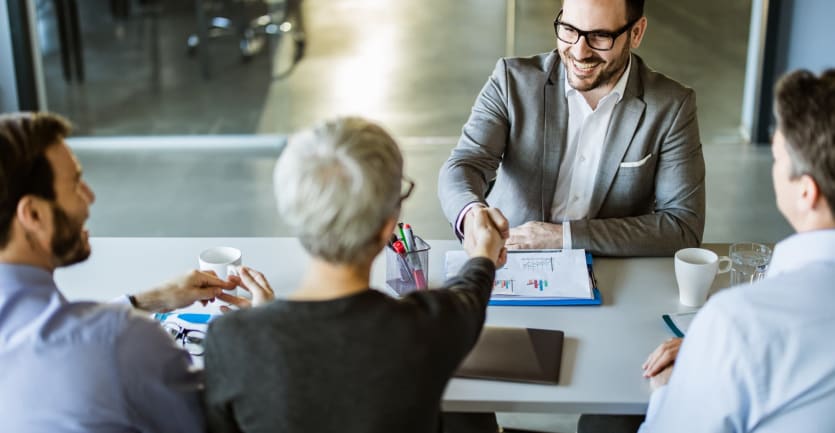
(760, 358)
(87, 367)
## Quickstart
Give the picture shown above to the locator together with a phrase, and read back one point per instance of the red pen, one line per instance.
(416, 269)
(400, 250)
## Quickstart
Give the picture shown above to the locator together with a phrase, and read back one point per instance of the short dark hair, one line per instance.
(805, 111)
(24, 168)
(634, 10)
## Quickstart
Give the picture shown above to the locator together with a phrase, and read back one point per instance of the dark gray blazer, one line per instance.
(649, 196)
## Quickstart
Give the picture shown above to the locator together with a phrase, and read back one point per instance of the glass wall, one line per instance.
(181, 106)
(144, 67)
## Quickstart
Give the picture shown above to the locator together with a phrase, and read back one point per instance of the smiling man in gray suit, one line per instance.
(588, 147)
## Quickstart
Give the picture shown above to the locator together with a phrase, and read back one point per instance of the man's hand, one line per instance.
(535, 235)
(482, 238)
(183, 291)
(496, 215)
(253, 282)
(662, 357)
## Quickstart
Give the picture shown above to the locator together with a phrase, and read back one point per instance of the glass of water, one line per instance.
(750, 262)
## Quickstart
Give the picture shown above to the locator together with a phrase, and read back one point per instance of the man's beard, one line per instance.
(69, 243)
(609, 75)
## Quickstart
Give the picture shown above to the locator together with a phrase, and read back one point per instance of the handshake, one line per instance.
(485, 232)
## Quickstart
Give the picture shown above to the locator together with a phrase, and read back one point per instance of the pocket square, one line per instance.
(636, 163)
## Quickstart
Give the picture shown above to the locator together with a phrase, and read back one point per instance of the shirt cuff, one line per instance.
(459, 222)
(566, 235)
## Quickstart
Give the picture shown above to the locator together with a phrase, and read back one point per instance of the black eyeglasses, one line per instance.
(406, 188)
(600, 40)
(191, 339)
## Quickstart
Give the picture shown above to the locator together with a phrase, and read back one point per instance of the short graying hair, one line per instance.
(805, 111)
(336, 186)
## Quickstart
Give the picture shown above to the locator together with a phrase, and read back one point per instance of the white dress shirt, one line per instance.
(759, 358)
(586, 134)
(587, 130)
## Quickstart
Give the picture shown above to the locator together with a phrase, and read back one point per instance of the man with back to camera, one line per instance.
(79, 366)
(589, 148)
(756, 358)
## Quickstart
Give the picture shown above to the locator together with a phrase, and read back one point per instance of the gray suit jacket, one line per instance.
(652, 205)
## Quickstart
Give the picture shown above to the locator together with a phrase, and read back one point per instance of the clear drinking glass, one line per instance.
(750, 262)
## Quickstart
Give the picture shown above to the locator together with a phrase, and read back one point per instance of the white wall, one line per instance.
(803, 37)
(811, 36)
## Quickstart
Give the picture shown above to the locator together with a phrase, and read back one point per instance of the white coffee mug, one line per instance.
(696, 269)
(224, 261)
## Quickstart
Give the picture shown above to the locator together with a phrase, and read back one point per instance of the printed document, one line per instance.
(535, 274)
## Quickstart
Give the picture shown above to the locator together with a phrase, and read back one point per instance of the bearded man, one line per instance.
(585, 146)
(80, 366)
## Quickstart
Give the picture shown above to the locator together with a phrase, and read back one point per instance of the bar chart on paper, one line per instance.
(538, 277)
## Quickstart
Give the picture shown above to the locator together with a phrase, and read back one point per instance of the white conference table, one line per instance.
(602, 354)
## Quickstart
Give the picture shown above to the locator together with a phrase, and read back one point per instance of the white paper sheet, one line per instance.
(535, 274)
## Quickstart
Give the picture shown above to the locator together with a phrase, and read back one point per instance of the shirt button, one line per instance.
(582, 158)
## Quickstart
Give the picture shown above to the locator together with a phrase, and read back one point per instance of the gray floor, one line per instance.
(414, 65)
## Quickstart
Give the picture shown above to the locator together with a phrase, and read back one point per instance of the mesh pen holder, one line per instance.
(408, 272)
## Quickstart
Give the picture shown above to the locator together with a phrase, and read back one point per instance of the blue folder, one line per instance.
(596, 300)
(199, 318)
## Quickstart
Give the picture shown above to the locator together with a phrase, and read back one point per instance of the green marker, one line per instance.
(403, 236)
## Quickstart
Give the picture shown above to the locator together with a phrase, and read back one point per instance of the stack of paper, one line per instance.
(537, 275)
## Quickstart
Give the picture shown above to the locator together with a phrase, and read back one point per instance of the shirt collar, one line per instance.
(802, 249)
(16, 278)
(619, 89)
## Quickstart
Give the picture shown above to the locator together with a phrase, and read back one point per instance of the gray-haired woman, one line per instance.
(336, 356)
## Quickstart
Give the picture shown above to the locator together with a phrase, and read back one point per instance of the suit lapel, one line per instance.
(554, 133)
(625, 118)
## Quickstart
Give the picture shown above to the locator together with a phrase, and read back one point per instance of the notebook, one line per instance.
(679, 322)
(515, 354)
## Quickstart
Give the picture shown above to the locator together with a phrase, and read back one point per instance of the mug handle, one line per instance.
(232, 270)
(728, 264)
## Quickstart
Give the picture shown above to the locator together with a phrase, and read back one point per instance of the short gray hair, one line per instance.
(336, 185)
(805, 111)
